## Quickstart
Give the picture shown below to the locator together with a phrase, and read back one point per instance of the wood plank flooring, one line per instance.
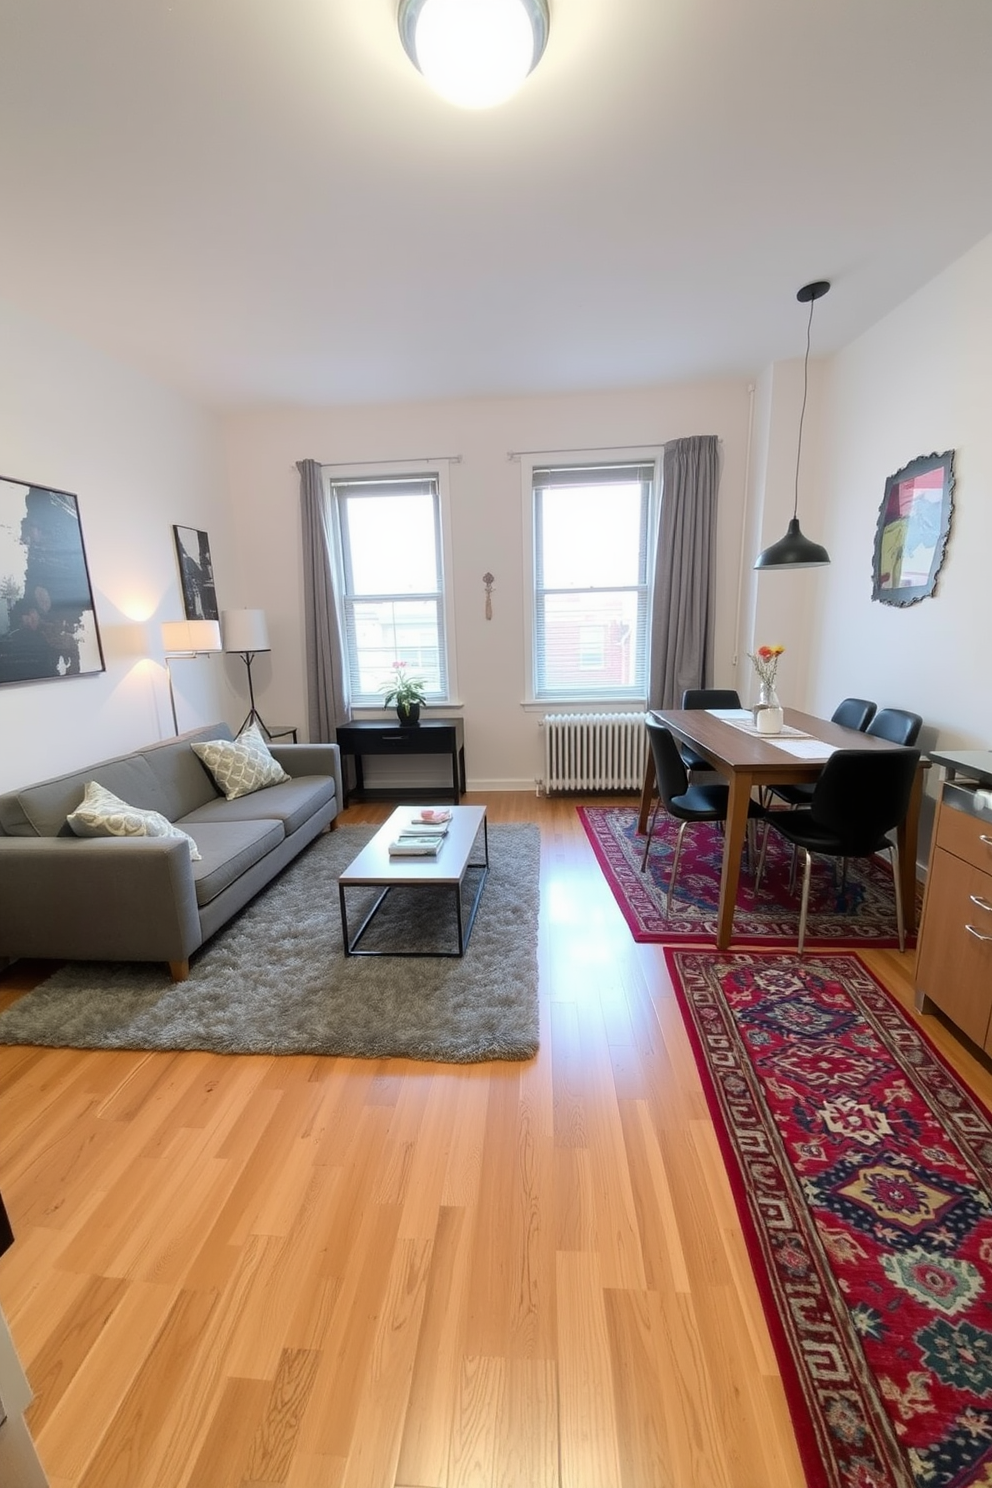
(332, 1273)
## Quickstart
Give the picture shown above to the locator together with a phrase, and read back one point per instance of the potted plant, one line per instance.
(405, 692)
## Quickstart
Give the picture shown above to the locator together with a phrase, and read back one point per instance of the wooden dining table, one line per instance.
(747, 760)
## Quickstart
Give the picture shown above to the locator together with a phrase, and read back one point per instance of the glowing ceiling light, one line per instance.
(475, 53)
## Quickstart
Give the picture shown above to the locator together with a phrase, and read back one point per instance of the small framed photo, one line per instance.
(196, 574)
(914, 523)
(48, 625)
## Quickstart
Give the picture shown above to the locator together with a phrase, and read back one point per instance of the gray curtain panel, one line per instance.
(682, 617)
(327, 698)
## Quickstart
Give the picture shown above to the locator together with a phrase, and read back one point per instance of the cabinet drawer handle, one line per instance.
(983, 838)
(982, 903)
(977, 933)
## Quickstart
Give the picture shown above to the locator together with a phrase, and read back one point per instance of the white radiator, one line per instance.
(593, 751)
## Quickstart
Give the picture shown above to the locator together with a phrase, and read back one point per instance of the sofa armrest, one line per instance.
(312, 759)
(97, 898)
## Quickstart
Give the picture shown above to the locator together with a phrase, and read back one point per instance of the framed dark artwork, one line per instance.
(48, 626)
(196, 574)
(914, 522)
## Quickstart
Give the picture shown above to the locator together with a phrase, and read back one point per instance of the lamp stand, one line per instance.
(253, 715)
(172, 697)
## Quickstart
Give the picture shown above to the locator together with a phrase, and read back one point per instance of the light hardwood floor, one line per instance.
(325, 1273)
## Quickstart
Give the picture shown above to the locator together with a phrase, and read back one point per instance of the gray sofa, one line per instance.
(143, 898)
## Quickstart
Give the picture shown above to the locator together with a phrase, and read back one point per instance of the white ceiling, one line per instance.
(261, 200)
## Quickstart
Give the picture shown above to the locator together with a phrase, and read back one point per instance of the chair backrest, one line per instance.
(710, 697)
(862, 794)
(669, 767)
(854, 713)
(896, 725)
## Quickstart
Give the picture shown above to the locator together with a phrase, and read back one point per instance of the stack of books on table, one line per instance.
(423, 837)
(409, 845)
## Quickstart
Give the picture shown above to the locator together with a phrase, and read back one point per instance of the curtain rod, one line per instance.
(593, 449)
(392, 460)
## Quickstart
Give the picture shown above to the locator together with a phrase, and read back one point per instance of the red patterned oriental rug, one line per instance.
(859, 912)
(862, 1171)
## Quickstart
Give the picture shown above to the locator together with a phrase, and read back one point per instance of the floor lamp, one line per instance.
(245, 634)
(187, 638)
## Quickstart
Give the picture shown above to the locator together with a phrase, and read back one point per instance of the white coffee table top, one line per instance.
(374, 865)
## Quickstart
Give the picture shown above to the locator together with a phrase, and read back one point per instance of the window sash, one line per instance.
(382, 626)
(572, 622)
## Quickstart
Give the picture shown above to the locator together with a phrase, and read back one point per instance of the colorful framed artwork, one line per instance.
(48, 626)
(196, 574)
(914, 523)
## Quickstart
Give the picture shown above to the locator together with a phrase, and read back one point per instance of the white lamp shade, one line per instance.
(185, 637)
(245, 630)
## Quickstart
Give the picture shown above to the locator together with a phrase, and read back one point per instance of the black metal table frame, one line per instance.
(464, 925)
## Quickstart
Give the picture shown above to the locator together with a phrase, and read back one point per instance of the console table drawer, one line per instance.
(414, 740)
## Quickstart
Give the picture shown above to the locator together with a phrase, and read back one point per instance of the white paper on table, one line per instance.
(730, 713)
(806, 749)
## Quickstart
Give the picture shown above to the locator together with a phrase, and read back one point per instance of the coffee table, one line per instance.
(374, 868)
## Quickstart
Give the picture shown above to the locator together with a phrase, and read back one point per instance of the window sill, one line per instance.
(585, 705)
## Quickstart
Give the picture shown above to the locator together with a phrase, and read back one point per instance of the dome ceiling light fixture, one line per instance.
(475, 53)
(794, 550)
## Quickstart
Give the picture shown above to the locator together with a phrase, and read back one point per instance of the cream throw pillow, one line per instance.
(102, 814)
(241, 766)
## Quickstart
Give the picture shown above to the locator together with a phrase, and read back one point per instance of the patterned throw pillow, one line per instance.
(241, 766)
(102, 814)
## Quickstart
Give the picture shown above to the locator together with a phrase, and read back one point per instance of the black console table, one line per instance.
(430, 736)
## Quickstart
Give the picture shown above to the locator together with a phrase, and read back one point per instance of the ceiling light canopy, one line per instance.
(794, 550)
(475, 53)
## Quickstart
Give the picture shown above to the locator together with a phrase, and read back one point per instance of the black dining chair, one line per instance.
(896, 725)
(687, 803)
(852, 713)
(860, 796)
(705, 697)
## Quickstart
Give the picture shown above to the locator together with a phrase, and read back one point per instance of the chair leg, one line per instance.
(675, 867)
(807, 871)
(761, 858)
(648, 835)
(900, 917)
(792, 873)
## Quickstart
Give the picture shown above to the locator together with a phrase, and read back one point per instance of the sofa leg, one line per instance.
(179, 970)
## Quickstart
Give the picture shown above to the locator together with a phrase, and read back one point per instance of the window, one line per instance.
(591, 591)
(389, 531)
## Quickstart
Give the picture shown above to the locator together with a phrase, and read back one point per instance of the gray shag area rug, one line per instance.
(275, 980)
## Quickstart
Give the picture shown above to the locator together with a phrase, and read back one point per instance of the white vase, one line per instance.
(768, 710)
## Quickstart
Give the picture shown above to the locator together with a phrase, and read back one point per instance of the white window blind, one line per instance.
(591, 580)
(393, 589)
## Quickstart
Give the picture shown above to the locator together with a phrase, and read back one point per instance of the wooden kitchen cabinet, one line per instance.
(954, 960)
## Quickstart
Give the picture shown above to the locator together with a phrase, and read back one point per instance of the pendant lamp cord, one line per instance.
(802, 412)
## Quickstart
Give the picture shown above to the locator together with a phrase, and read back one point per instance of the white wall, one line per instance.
(502, 739)
(919, 382)
(139, 459)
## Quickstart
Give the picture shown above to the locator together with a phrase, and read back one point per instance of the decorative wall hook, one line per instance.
(489, 581)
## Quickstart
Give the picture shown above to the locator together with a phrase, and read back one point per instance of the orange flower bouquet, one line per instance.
(765, 661)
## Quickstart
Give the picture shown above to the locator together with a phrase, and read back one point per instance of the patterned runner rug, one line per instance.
(861, 910)
(862, 1171)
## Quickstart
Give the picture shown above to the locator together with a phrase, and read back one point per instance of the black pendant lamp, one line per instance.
(794, 550)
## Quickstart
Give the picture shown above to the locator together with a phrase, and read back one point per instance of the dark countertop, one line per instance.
(976, 764)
